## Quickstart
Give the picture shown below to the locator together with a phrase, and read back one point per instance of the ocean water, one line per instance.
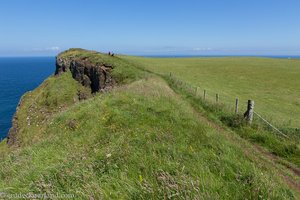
(17, 76)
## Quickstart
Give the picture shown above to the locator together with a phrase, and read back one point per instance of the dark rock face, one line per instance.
(11, 137)
(61, 65)
(97, 77)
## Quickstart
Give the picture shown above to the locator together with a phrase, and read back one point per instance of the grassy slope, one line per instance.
(272, 83)
(38, 107)
(139, 141)
(287, 148)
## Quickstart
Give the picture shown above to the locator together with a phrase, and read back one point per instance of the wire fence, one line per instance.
(229, 104)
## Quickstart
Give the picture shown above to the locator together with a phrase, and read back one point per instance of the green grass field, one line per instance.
(142, 140)
(274, 84)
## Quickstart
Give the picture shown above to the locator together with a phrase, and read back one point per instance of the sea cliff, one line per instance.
(79, 74)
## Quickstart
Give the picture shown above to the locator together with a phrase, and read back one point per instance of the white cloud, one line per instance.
(202, 49)
(54, 48)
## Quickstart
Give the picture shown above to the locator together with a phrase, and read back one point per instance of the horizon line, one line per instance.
(166, 55)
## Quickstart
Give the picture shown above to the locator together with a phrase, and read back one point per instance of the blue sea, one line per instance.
(17, 76)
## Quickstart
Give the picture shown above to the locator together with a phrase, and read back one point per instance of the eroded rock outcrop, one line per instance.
(96, 76)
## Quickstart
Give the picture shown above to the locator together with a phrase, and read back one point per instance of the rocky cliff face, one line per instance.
(11, 137)
(96, 76)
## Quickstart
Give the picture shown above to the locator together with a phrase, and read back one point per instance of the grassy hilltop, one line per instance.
(141, 140)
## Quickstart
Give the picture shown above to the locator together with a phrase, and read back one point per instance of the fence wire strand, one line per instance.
(270, 124)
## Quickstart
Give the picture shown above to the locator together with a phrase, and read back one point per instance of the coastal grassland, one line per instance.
(273, 84)
(140, 141)
(58, 93)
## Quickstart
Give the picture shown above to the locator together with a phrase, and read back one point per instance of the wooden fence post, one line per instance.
(217, 98)
(236, 106)
(204, 94)
(249, 113)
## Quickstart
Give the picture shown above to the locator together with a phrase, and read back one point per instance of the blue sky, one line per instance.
(154, 27)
